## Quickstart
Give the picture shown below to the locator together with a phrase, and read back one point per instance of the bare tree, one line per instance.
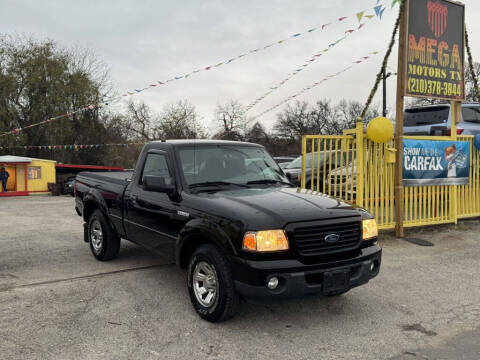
(321, 119)
(231, 120)
(140, 123)
(471, 95)
(294, 121)
(177, 121)
(180, 121)
(347, 113)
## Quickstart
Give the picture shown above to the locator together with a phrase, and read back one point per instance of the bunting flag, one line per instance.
(326, 78)
(67, 115)
(379, 9)
(154, 84)
(305, 65)
(359, 15)
(66, 147)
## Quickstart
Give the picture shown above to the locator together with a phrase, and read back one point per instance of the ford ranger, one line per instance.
(227, 213)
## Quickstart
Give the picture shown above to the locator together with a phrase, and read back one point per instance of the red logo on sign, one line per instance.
(437, 17)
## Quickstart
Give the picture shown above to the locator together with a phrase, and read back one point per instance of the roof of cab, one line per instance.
(202, 142)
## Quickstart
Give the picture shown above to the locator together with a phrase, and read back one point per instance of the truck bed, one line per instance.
(111, 177)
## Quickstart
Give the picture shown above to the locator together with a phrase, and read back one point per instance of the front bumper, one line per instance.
(297, 279)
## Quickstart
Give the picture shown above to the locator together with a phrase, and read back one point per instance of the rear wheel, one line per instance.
(210, 285)
(104, 243)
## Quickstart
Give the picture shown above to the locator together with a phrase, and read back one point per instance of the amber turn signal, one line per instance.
(265, 241)
(370, 229)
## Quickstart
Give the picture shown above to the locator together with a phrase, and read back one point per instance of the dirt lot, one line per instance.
(57, 302)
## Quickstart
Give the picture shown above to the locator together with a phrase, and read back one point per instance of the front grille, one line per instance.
(310, 240)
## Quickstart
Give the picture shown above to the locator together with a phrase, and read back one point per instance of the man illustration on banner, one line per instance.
(450, 154)
(454, 159)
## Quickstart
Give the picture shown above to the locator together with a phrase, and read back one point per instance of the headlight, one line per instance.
(265, 241)
(370, 229)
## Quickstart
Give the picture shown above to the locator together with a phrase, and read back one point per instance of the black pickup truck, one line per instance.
(226, 212)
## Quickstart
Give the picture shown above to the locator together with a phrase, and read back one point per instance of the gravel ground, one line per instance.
(58, 302)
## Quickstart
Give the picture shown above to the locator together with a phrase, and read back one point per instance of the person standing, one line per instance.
(4, 175)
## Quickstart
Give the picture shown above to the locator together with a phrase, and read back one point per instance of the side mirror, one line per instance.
(157, 183)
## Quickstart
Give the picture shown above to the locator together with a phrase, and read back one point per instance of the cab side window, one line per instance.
(156, 165)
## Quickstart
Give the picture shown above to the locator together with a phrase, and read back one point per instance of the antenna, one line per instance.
(194, 152)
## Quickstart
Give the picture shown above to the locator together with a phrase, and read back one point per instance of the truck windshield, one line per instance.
(229, 164)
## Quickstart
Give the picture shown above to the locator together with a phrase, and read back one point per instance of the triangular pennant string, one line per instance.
(107, 101)
(313, 86)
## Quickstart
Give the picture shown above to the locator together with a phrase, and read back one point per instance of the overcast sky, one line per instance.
(144, 41)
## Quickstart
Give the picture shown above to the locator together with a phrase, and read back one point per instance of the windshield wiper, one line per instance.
(216, 183)
(268, 181)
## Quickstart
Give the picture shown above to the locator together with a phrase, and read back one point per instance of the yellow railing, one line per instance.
(468, 196)
(327, 165)
(360, 171)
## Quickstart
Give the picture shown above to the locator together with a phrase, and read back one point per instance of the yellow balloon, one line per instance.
(380, 129)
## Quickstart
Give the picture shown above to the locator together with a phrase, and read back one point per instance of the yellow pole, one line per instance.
(455, 110)
(402, 49)
(359, 164)
(454, 118)
(304, 154)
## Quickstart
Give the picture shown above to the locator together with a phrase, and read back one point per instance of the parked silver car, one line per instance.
(327, 161)
(436, 120)
(283, 161)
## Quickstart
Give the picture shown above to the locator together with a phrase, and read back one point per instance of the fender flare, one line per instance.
(202, 229)
(94, 197)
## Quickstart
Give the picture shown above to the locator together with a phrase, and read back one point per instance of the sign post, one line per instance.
(399, 203)
(456, 111)
(430, 65)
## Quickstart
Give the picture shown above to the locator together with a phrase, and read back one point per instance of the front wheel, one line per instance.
(210, 285)
(104, 243)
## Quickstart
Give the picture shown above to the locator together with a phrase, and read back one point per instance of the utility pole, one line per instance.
(385, 76)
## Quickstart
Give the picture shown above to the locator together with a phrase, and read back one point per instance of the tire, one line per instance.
(208, 263)
(104, 243)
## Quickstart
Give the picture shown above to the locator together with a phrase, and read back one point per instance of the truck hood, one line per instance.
(275, 207)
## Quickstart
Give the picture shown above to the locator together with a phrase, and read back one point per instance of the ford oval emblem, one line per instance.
(332, 238)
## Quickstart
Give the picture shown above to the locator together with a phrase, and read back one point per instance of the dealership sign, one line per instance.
(435, 50)
(432, 162)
